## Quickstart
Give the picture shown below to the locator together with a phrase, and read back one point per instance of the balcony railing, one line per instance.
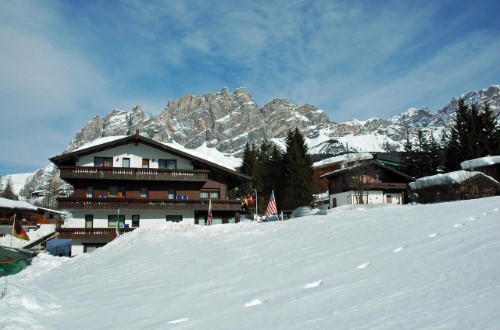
(378, 185)
(125, 173)
(147, 204)
(90, 234)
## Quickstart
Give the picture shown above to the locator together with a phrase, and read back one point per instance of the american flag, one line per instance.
(210, 212)
(271, 207)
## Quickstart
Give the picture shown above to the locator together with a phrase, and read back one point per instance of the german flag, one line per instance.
(18, 231)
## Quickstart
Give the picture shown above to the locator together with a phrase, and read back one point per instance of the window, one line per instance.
(89, 247)
(174, 218)
(216, 221)
(171, 193)
(125, 162)
(145, 163)
(113, 191)
(112, 220)
(103, 161)
(89, 220)
(202, 222)
(144, 192)
(210, 194)
(135, 220)
(90, 191)
(171, 164)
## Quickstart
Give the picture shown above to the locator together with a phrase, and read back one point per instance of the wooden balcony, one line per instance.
(125, 173)
(71, 203)
(380, 186)
(90, 234)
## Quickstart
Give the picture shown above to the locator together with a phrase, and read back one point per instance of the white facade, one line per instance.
(135, 154)
(372, 197)
(148, 218)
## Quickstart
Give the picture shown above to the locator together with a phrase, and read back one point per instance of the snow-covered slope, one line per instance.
(385, 267)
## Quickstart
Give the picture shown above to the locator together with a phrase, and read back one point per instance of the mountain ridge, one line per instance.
(227, 120)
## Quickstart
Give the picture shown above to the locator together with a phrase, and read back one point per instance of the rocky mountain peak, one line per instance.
(227, 120)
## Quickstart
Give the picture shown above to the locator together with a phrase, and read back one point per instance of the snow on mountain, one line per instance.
(17, 181)
(225, 121)
(365, 267)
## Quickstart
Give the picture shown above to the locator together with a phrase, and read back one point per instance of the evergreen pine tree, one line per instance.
(489, 133)
(271, 173)
(298, 172)
(407, 163)
(249, 167)
(435, 156)
(9, 192)
(456, 143)
(474, 134)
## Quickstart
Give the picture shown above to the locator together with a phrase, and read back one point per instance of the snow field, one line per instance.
(377, 267)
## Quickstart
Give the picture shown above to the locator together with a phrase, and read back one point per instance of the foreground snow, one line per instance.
(385, 267)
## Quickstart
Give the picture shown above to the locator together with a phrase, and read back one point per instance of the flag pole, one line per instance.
(256, 205)
(13, 225)
(209, 217)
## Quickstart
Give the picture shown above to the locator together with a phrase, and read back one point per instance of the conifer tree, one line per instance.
(407, 163)
(489, 134)
(271, 173)
(298, 172)
(474, 134)
(457, 144)
(9, 192)
(249, 166)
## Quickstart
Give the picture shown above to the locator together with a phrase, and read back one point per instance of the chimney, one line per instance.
(136, 132)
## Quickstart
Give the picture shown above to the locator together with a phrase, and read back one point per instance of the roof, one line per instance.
(349, 157)
(455, 177)
(136, 138)
(480, 162)
(16, 205)
(373, 162)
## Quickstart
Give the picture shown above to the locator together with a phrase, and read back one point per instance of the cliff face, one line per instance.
(228, 120)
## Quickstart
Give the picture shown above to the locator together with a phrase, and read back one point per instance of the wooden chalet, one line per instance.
(30, 216)
(489, 165)
(368, 182)
(335, 163)
(452, 186)
(141, 182)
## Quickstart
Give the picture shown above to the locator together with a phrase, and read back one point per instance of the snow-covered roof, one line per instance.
(18, 205)
(100, 141)
(445, 178)
(351, 157)
(480, 162)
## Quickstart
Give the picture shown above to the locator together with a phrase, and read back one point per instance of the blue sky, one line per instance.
(64, 62)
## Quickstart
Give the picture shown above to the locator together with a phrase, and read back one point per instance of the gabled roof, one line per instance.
(16, 205)
(372, 162)
(23, 206)
(480, 162)
(136, 139)
(456, 177)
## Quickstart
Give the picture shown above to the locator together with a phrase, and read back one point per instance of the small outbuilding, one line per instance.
(457, 185)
